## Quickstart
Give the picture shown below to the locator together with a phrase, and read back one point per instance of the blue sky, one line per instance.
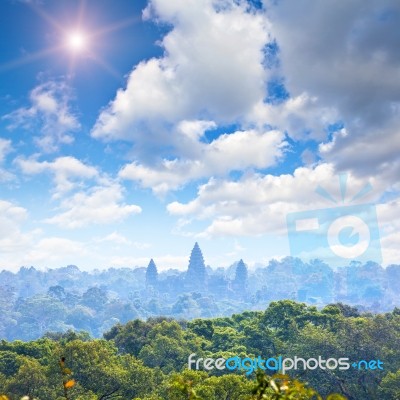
(131, 129)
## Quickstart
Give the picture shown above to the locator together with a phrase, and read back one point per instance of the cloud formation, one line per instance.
(258, 204)
(49, 116)
(212, 69)
(98, 205)
(347, 59)
(85, 195)
(236, 151)
(67, 172)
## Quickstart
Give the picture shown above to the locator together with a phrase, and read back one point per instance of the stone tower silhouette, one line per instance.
(196, 274)
(151, 274)
(241, 277)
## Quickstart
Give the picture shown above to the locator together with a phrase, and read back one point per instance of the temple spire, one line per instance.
(196, 273)
(151, 274)
(241, 276)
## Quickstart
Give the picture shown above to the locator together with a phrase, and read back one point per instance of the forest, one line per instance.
(148, 359)
(33, 302)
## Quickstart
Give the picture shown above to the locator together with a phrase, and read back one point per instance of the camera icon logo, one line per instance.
(336, 235)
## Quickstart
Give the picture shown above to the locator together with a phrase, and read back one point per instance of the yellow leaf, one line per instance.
(3, 397)
(69, 384)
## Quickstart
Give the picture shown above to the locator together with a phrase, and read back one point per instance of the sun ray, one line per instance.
(115, 27)
(81, 12)
(30, 58)
(52, 21)
(107, 67)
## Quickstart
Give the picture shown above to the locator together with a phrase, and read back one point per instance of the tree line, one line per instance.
(147, 360)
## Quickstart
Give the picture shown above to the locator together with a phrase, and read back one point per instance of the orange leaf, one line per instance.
(69, 384)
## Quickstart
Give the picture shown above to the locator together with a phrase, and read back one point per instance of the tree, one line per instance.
(202, 327)
(95, 298)
(57, 292)
(282, 313)
(40, 313)
(282, 387)
(30, 380)
(131, 337)
(389, 388)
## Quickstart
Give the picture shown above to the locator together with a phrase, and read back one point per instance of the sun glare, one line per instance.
(76, 41)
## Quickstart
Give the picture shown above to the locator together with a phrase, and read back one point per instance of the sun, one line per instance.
(77, 41)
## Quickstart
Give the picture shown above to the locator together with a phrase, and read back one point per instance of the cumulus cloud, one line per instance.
(347, 59)
(302, 117)
(68, 172)
(48, 118)
(258, 204)
(212, 69)
(375, 151)
(236, 151)
(97, 205)
(338, 65)
(85, 195)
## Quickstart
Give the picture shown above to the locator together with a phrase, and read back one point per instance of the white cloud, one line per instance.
(49, 118)
(236, 251)
(375, 151)
(347, 56)
(85, 195)
(302, 117)
(5, 176)
(236, 151)
(55, 251)
(389, 230)
(98, 205)
(68, 172)
(347, 60)
(114, 237)
(5, 149)
(11, 218)
(390, 249)
(212, 69)
(258, 204)
(120, 239)
(20, 245)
